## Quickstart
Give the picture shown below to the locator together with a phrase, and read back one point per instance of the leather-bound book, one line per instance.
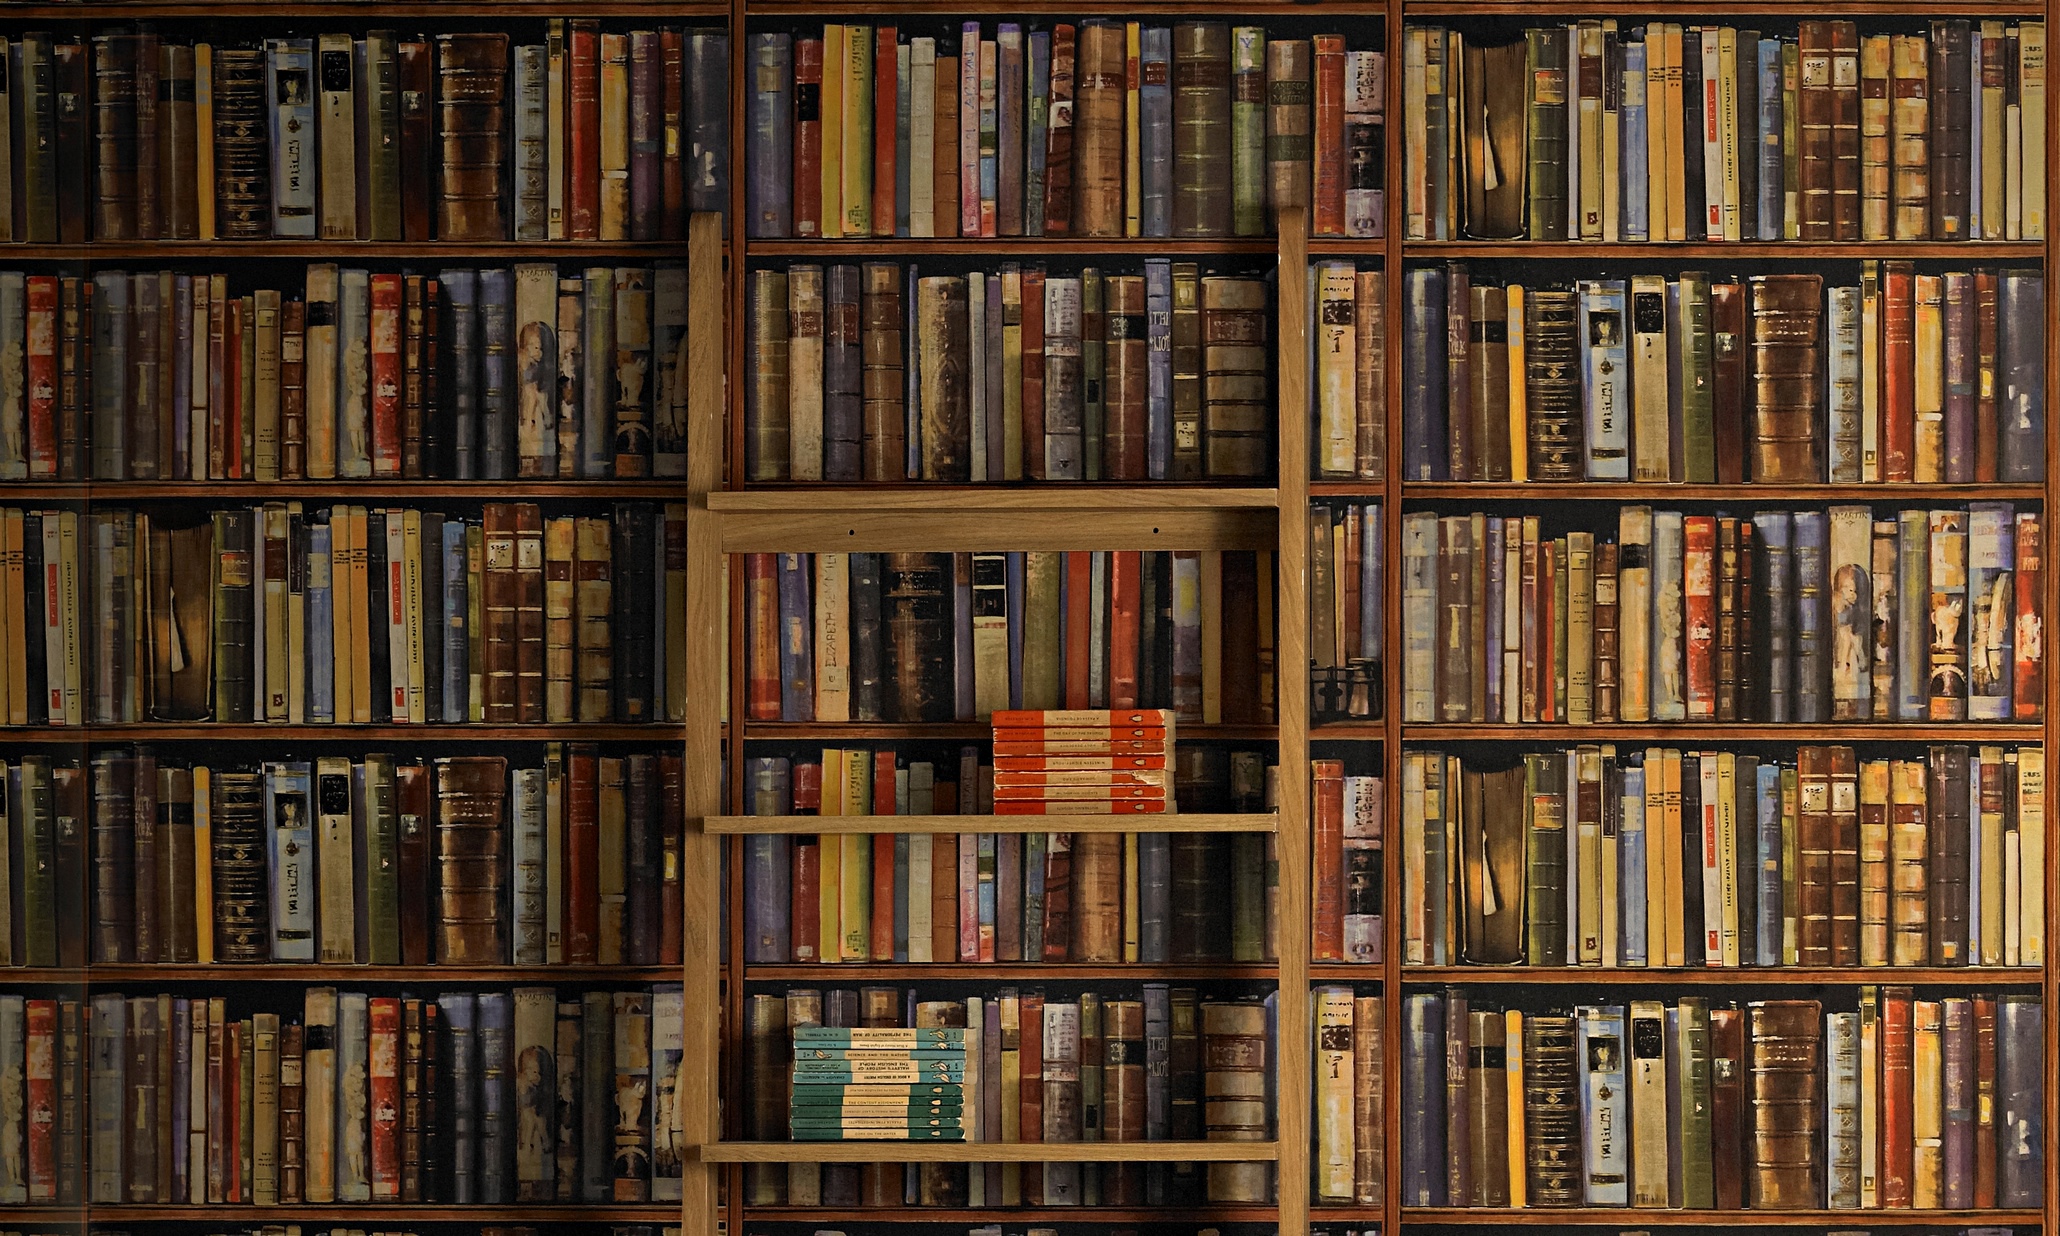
(1552, 1111)
(114, 136)
(1493, 863)
(1727, 1105)
(1727, 389)
(1813, 843)
(76, 150)
(113, 833)
(182, 562)
(292, 1114)
(768, 432)
(594, 599)
(1957, 1101)
(1236, 409)
(1493, 116)
(1817, 112)
(1909, 94)
(1786, 1046)
(1788, 388)
(1058, 156)
(1235, 1088)
(1552, 384)
(1898, 1049)
(1098, 87)
(1124, 380)
(416, 70)
(471, 859)
(1946, 812)
(2020, 1100)
(883, 419)
(1462, 428)
(842, 374)
(1423, 1099)
(942, 351)
(240, 874)
(233, 602)
(412, 877)
(179, 204)
(1845, 131)
(1488, 372)
(472, 123)
(1844, 784)
(243, 157)
(635, 537)
(1487, 1101)
(1951, 120)
(1097, 897)
(147, 861)
(1201, 128)
(919, 637)
(1986, 1112)
(500, 597)
(1544, 181)
(1200, 929)
(1290, 118)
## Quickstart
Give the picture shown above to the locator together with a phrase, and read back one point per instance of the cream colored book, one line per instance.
(318, 1090)
(1588, 127)
(2031, 76)
(833, 637)
(1909, 902)
(1727, 853)
(1415, 900)
(921, 887)
(344, 611)
(2031, 805)
(1711, 147)
(1874, 865)
(1648, 1086)
(335, 839)
(1337, 369)
(554, 129)
(1927, 1112)
(361, 626)
(1877, 151)
(1586, 833)
(397, 617)
(1988, 899)
(922, 152)
(561, 539)
(1727, 118)
(1929, 462)
(1334, 1144)
(614, 136)
(319, 347)
(335, 132)
(805, 327)
(1634, 613)
(1580, 628)
(1870, 372)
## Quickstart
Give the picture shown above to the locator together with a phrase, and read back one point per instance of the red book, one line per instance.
(672, 179)
(762, 612)
(582, 161)
(1327, 896)
(385, 1057)
(41, 1113)
(1079, 733)
(1079, 566)
(673, 825)
(1986, 427)
(805, 923)
(808, 137)
(886, 103)
(1069, 763)
(386, 374)
(419, 142)
(1033, 374)
(1699, 542)
(582, 857)
(1126, 572)
(1548, 663)
(883, 896)
(232, 353)
(1031, 1095)
(1898, 372)
(1898, 1048)
(1985, 1102)
(42, 376)
(1327, 214)
(2030, 670)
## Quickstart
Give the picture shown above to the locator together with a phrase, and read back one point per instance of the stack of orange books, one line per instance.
(1083, 761)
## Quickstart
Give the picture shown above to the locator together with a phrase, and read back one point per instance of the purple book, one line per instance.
(645, 147)
(997, 461)
(181, 1097)
(771, 135)
(1959, 1103)
(767, 870)
(797, 670)
(1960, 378)
(843, 375)
(708, 123)
(1008, 81)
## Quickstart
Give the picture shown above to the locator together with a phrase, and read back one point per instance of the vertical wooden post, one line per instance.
(1291, 674)
(1391, 644)
(700, 854)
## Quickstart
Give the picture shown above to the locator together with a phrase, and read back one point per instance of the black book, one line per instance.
(868, 649)
(631, 576)
(375, 606)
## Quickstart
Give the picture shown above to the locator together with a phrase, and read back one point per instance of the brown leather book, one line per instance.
(1488, 371)
(243, 155)
(1727, 1105)
(1552, 1111)
(529, 613)
(1845, 131)
(293, 390)
(1786, 1047)
(1463, 428)
(411, 778)
(1124, 379)
(1813, 842)
(594, 621)
(1496, 89)
(417, 69)
(1058, 158)
(1727, 402)
(1031, 387)
(1817, 113)
(1946, 810)
(113, 834)
(180, 205)
(1097, 895)
(1123, 1097)
(1898, 1067)
(1494, 864)
(1487, 1102)
(292, 1116)
(146, 54)
(1788, 386)
(181, 628)
(1607, 678)
(1910, 117)
(884, 389)
(1845, 856)
(472, 81)
(1552, 385)
(1201, 127)
(1237, 418)
(500, 597)
(1985, 1101)
(147, 858)
(114, 136)
(1290, 117)
(1369, 319)
(1234, 1088)
(242, 883)
(471, 859)
(1098, 86)
(1728, 619)
(942, 348)
(919, 637)
(1951, 107)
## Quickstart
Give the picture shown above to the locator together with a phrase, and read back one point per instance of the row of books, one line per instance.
(880, 373)
(464, 374)
(385, 137)
(389, 861)
(1774, 379)
(1347, 313)
(487, 1097)
(1156, 1064)
(1778, 1105)
(938, 637)
(1666, 132)
(1348, 888)
(345, 616)
(1099, 129)
(1096, 761)
(1347, 642)
(866, 1084)
(1595, 857)
(1783, 616)
(1348, 1150)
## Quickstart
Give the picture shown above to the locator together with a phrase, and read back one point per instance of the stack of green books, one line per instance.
(862, 1084)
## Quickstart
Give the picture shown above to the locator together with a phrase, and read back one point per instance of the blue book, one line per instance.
(1631, 126)
(1767, 849)
(1631, 946)
(1158, 1052)
(460, 387)
(1372, 588)
(1812, 623)
(1491, 627)
(1155, 129)
(353, 1129)
(1016, 598)
(1425, 448)
(1771, 529)
(321, 667)
(496, 391)
(767, 893)
(1605, 1106)
(353, 377)
(1154, 893)
(460, 1120)
(769, 126)
(2021, 371)
(1773, 189)
(457, 668)
(1604, 353)
(797, 628)
(291, 855)
(1158, 388)
(1034, 848)
(496, 1117)
(1038, 127)
(1423, 1100)
(290, 89)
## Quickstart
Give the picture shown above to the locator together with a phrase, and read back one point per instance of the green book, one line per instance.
(1248, 897)
(1696, 348)
(33, 811)
(1247, 135)
(812, 1134)
(380, 121)
(1692, 1045)
(879, 1036)
(382, 863)
(1545, 860)
(1544, 131)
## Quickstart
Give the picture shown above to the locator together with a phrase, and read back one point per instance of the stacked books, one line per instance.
(877, 1084)
(1774, 379)
(1776, 1105)
(1668, 132)
(585, 136)
(1084, 761)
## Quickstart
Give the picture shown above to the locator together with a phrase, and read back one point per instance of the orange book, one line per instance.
(1328, 207)
(1126, 568)
(1079, 733)
(1136, 806)
(1036, 718)
(1107, 792)
(1095, 747)
(1077, 619)
(762, 598)
(1068, 762)
(1033, 373)
(883, 893)
(1326, 904)
(886, 107)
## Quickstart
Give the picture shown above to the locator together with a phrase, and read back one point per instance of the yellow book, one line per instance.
(1929, 465)
(1927, 1115)
(1011, 372)
(1519, 410)
(614, 137)
(858, 132)
(203, 866)
(835, 65)
(1133, 165)
(1988, 899)
(1677, 152)
(1671, 858)
(1513, 1057)
(1132, 926)
(204, 122)
(855, 868)
(1011, 1091)
(343, 612)
(1212, 635)
(829, 888)
(1658, 174)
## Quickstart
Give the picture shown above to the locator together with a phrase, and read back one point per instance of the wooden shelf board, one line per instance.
(1740, 495)
(1057, 972)
(1057, 519)
(1224, 1213)
(1356, 731)
(290, 972)
(956, 731)
(971, 501)
(988, 1152)
(1060, 8)
(1167, 823)
(549, 1212)
(1673, 8)
(116, 10)
(1741, 976)
(341, 489)
(1756, 251)
(211, 732)
(1627, 1217)
(1681, 732)
(1062, 247)
(340, 250)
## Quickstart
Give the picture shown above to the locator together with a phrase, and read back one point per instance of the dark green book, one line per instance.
(1545, 860)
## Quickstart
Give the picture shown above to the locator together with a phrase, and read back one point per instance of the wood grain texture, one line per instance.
(973, 501)
(1256, 822)
(990, 1152)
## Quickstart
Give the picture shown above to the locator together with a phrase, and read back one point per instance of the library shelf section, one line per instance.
(106, 973)
(1755, 251)
(1729, 976)
(364, 491)
(989, 1152)
(954, 731)
(541, 731)
(1551, 491)
(1728, 731)
(1054, 525)
(1172, 822)
(1037, 246)
(323, 1212)
(1055, 972)
(1223, 1213)
(266, 249)
(1052, 497)
(1627, 1217)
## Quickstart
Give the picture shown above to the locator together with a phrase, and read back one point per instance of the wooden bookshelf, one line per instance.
(990, 1152)
(356, 491)
(1969, 977)
(1165, 823)
(1737, 251)
(1626, 1217)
